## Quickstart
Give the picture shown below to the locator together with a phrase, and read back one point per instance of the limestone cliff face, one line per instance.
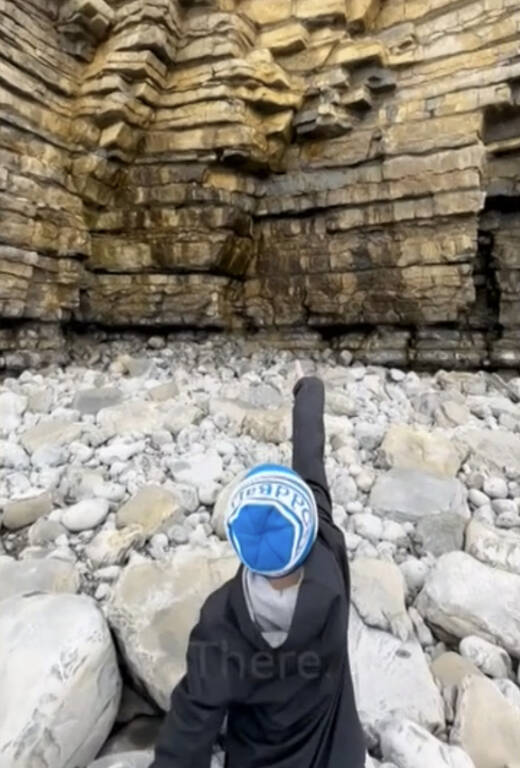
(345, 165)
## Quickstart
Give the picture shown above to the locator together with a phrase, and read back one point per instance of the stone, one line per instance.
(464, 597)
(199, 470)
(368, 526)
(12, 456)
(131, 417)
(181, 416)
(54, 432)
(498, 548)
(19, 513)
(478, 498)
(409, 495)
(94, 399)
(134, 759)
(492, 449)
(510, 691)
(111, 547)
(489, 658)
(378, 592)
(163, 392)
(45, 531)
(406, 447)
(153, 609)
(369, 436)
(268, 425)
(408, 745)
(24, 577)
(12, 407)
(85, 515)
(482, 713)
(449, 669)
(495, 487)
(441, 533)
(48, 718)
(415, 572)
(391, 678)
(151, 508)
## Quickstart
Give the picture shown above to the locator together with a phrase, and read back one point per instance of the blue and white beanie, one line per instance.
(272, 520)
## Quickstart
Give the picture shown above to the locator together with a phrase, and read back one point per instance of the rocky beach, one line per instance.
(114, 471)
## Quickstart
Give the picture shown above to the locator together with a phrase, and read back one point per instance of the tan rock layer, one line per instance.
(331, 164)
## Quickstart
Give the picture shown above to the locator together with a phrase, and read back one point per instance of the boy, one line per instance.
(270, 649)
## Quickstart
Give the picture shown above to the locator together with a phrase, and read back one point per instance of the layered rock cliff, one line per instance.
(349, 166)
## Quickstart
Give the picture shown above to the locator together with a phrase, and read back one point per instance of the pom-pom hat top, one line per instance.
(272, 520)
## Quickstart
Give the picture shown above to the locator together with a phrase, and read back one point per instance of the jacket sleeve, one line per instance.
(309, 441)
(197, 708)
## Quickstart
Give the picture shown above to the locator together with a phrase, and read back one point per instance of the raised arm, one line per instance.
(197, 708)
(309, 440)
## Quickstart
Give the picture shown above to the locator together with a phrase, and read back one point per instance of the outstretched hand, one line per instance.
(298, 370)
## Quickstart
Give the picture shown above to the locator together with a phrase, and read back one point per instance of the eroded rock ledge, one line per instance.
(345, 166)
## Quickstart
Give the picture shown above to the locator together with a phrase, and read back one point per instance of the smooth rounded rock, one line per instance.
(59, 680)
(85, 515)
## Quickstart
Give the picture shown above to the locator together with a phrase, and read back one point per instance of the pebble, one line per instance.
(495, 487)
(85, 514)
(477, 498)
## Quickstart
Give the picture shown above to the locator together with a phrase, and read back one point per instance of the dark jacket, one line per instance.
(290, 707)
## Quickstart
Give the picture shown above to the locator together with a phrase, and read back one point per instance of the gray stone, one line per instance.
(21, 512)
(391, 678)
(198, 470)
(409, 746)
(505, 507)
(369, 436)
(163, 392)
(23, 577)
(500, 549)
(415, 572)
(489, 658)
(134, 416)
(495, 487)
(53, 432)
(150, 509)
(477, 498)
(368, 526)
(496, 449)
(111, 547)
(464, 597)
(94, 399)
(181, 416)
(12, 407)
(154, 607)
(84, 515)
(59, 678)
(41, 400)
(45, 531)
(378, 592)
(408, 495)
(13, 456)
(441, 533)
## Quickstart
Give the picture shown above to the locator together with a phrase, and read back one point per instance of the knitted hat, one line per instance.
(272, 520)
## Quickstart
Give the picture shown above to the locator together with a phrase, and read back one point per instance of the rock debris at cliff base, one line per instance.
(275, 165)
(114, 474)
